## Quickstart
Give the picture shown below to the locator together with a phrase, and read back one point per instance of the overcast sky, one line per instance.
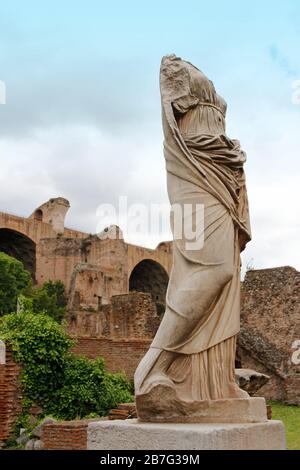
(82, 118)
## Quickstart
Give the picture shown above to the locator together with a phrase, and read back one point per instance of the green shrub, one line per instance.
(41, 345)
(50, 299)
(88, 388)
(64, 385)
(14, 280)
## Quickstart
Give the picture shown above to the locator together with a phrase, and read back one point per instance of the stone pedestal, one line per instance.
(131, 434)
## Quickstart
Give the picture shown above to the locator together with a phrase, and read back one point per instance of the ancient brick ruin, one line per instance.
(10, 393)
(49, 250)
(116, 299)
(269, 341)
(66, 435)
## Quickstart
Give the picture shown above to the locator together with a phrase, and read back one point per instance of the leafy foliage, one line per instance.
(88, 388)
(50, 299)
(41, 345)
(16, 284)
(64, 385)
(14, 280)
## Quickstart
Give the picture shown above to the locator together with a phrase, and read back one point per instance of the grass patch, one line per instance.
(290, 415)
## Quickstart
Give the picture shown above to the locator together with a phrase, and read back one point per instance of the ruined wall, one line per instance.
(33, 229)
(101, 274)
(119, 355)
(66, 435)
(35, 242)
(128, 316)
(121, 332)
(270, 329)
(53, 212)
(10, 395)
(106, 253)
(57, 258)
(56, 250)
(162, 255)
(274, 389)
(92, 286)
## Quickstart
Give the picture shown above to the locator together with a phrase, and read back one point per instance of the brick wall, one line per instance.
(10, 396)
(56, 259)
(92, 286)
(119, 355)
(66, 435)
(130, 316)
(270, 330)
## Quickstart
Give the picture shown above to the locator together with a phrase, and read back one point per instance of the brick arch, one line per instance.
(151, 277)
(19, 246)
(30, 227)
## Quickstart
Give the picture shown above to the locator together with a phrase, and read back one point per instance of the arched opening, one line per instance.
(149, 276)
(38, 215)
(20, 247)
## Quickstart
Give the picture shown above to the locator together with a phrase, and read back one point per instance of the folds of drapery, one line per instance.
(201, 309)
(217, 158)
(206, 375)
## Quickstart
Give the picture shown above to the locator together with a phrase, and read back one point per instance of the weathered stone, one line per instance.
(37, 431)
(23, 438)
(30, 444)
(38, 445)
(133, 435)
(35, 241)
(67, 435)
(269, 341)
(123, 411)
(162, 405)
(53, 212)
(250, 380)
(34, 444)
(10, 396)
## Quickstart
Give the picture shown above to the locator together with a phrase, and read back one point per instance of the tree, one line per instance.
(50, 299)
(14, 280)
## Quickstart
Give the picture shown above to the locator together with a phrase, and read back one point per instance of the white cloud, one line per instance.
(108, 143)
(88, 167)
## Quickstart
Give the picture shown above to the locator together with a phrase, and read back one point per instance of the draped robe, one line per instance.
(205, 170)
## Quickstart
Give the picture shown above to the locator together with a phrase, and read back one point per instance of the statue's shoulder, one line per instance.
(174, 77)
(172, 61)
(172, 64)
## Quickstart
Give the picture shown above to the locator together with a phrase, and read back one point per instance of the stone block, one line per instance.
(153, 407)
(134, 435)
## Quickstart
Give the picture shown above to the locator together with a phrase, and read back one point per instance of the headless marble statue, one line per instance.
(191, 359)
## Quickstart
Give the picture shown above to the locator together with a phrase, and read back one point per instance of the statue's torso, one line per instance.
(200, 118)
